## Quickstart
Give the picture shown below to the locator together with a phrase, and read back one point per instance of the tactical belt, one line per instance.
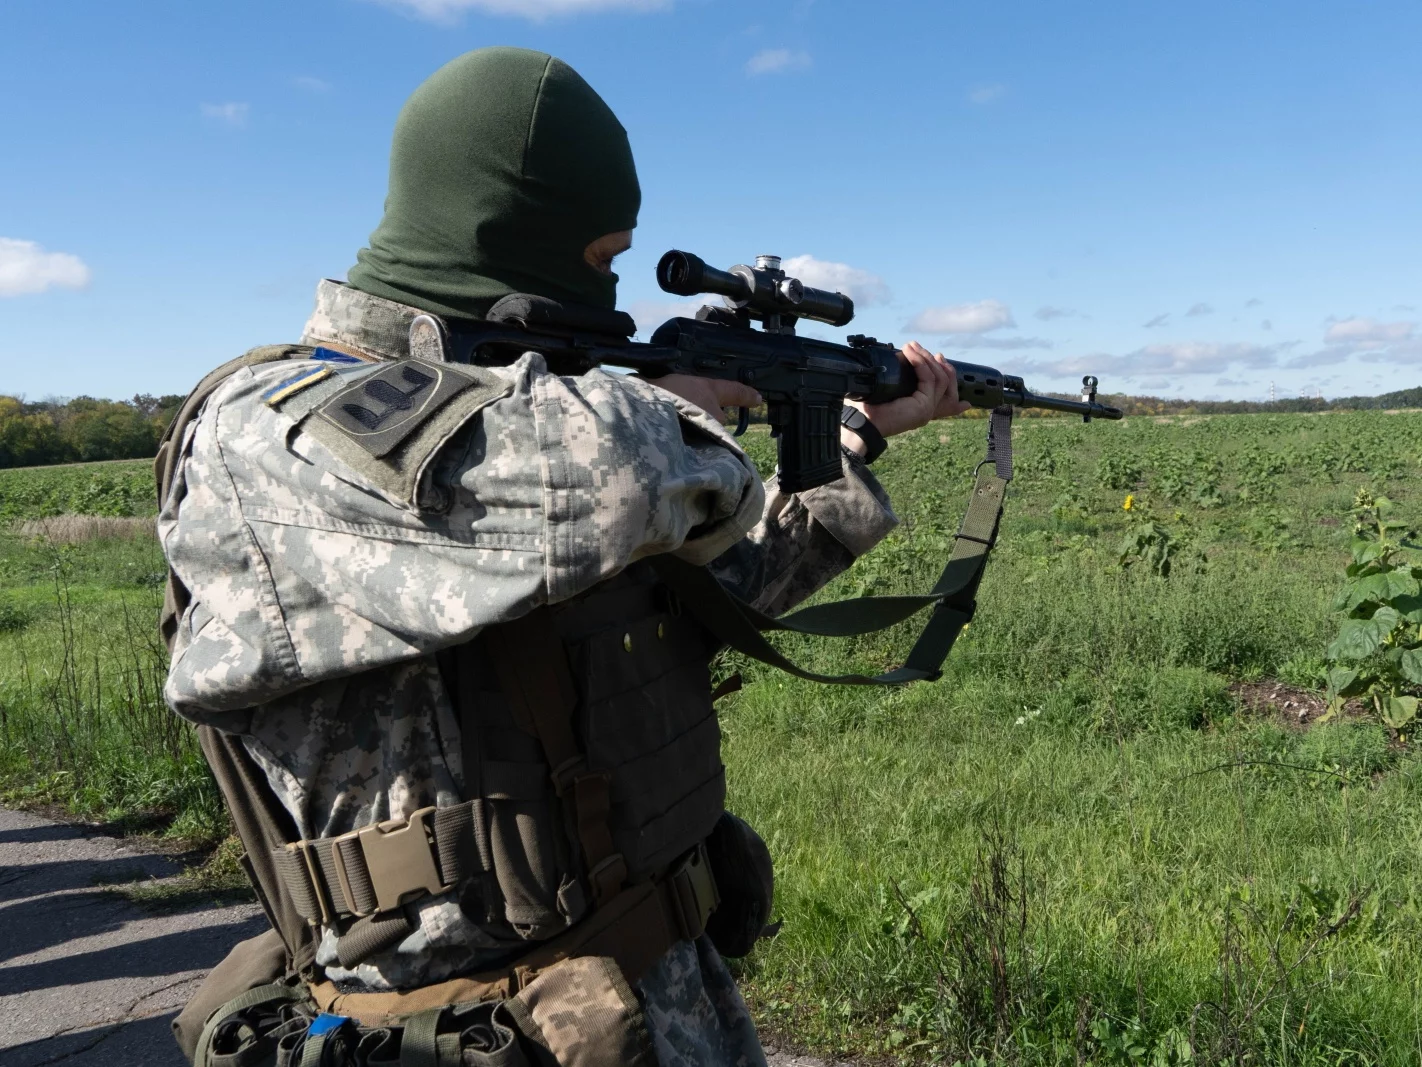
(375, 868)
(368, 873)
(636, 927)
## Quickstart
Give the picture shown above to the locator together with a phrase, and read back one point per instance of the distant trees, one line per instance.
(82, 429)
(1154, 405)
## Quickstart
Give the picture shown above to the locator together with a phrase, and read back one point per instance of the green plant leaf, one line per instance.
(1410, 664)
(1409, 607)
(1360, 638)
(1398, 711)
(1366, 551)
(1383, 586)
(1385, 619)
(1346, 682)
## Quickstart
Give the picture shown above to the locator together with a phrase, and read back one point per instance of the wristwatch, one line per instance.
(854, 420)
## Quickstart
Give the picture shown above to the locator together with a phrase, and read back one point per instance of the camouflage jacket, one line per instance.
(320, 597)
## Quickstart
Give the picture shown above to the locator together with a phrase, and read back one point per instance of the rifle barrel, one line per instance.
(1087, 409)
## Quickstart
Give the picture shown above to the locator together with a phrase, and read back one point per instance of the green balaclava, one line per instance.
(505, 164)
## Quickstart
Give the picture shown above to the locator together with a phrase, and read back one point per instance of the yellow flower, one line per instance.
(1129, 502)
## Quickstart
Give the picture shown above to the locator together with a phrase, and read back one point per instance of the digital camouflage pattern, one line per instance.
(319, 599)
(587, 1016)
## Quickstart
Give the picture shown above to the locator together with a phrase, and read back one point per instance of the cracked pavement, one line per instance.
(87, 977)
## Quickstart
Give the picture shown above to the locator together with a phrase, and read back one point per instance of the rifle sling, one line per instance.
(953, 599)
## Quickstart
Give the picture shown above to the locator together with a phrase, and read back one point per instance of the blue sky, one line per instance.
(1185, 199)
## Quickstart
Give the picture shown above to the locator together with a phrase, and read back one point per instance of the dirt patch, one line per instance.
(1289, 704)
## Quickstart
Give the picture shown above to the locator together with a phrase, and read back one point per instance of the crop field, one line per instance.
(1123, 828)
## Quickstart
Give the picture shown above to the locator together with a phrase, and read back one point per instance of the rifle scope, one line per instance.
(764, 291)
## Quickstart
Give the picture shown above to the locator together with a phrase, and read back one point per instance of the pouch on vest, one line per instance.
(579, 1012)
(745, 879)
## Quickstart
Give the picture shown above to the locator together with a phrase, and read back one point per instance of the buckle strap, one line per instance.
(692, 893)
(376, 868)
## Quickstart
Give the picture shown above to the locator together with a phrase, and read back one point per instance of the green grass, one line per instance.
(82, 721)
(1074, 848)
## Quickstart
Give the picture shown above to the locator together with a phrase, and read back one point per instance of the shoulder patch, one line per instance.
(390, 423)
(382, 409)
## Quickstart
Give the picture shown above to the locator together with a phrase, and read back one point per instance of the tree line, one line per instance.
(1154, 405)
(83, 429)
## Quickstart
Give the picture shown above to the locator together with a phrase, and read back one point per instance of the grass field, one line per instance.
(1080, 846)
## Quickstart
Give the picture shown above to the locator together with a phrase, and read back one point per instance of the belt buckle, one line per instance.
(400, 859)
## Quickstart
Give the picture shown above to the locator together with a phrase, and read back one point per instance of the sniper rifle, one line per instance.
(804, 380)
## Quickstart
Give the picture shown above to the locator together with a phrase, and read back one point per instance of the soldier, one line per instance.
(466, 736)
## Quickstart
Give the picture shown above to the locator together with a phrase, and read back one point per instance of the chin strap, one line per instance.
(953, 598)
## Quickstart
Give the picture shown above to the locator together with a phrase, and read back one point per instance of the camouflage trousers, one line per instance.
(695, 1012)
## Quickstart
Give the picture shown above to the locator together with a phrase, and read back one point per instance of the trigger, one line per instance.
(742, 421)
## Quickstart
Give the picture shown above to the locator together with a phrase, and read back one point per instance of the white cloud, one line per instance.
(978, 317)
(986, 94)
(1229, 381)
(1324, 357)
(1159, 320)
(1407, 351)
(1370, 340)
(232, 114)
(860, 286)
(1252, 302)
(1196, 310)
(534, 10)
(1186, 357)
(312, 85)
(777, 61)
(977, 340)
(1047, 313)
(1361, 332)
(25, 268)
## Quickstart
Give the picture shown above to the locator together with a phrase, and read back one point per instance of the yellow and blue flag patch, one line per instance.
(293, 385)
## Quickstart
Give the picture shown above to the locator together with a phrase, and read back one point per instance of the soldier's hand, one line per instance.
(935, 398)
(711, 395)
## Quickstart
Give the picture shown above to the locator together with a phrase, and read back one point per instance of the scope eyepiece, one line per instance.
(763, 290)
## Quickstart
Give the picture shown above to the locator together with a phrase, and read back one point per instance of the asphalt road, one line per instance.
(86, 977)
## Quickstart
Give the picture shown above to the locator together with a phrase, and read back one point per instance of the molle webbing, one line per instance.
(533, 672)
